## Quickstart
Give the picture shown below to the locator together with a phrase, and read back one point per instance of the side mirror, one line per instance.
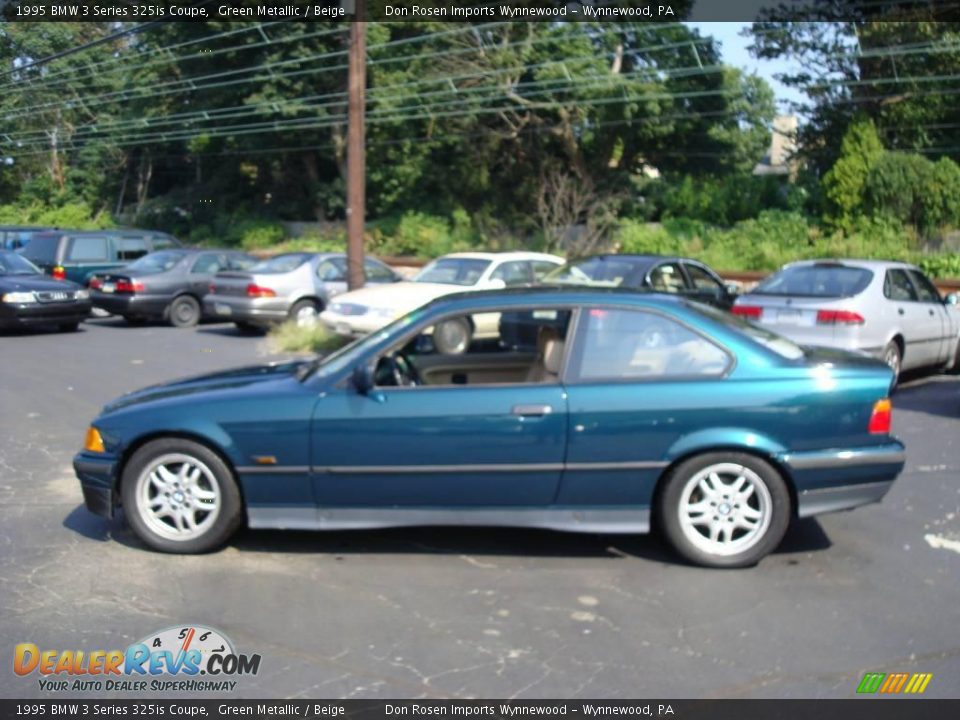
(497, 284)
(732, 288)
(363, 381)
(952, 299)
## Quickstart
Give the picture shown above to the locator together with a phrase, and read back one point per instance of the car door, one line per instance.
(921, 330)
(667, 278)
(85, 255)
(929, 298)
(330, 277)
(704, 286)
(637, 381)
(201, 272)
(440, 446)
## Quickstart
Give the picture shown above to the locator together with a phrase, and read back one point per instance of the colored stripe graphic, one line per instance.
(894, 683)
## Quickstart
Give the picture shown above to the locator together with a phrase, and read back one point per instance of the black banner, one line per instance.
(151, 11)
(858, 709)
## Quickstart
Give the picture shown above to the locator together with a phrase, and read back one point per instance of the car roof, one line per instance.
(573, 294)
(854, 262)
(508, 255)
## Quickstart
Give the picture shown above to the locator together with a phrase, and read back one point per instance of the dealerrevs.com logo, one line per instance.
(187, 658)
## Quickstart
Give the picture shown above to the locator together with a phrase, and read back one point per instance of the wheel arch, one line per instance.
(312, 297)
(756, 452)
(179, 294)
(196, 437)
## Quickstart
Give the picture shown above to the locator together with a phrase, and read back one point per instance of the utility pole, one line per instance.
(356, 160)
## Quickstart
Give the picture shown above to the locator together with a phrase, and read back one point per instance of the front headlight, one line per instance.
(82, 295)
(19, 298)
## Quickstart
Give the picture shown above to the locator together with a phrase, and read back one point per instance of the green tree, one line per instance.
(860, 151)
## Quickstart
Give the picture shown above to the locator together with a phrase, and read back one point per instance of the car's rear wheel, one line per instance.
(305, 313)
(184, 312)
(69, 327)
(452, 337)
(893, 357)
(180, 497)
(724, 509)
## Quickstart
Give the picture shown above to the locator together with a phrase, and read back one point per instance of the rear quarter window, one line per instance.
(87, 249)
(824, 281)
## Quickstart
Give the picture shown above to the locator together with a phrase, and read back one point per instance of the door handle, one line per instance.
(531, 410)
(931, 312)
(900, 310)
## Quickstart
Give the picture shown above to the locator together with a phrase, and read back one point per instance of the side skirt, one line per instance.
(586, 520)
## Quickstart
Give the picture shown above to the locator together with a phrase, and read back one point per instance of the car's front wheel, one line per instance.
(724, 509)
(180, 497)
(893, 357)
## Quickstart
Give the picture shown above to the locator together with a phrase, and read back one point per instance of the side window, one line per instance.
(480, 349)
(332, 270)
(208, 264)
(541, 268)
(896, 286)
(241, 262)
(702, 280)
(87, 249)
(377, 272)
(131, 248)
(667, 278)
(513, 273)
(926, 290)
(616, 344)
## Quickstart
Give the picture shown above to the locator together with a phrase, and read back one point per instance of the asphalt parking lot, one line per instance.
(462, 613)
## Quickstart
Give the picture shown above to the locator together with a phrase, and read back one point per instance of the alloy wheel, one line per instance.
(725, 509)
(178, 497)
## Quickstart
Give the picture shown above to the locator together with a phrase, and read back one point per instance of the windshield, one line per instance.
(156, 262)
(822, 280)
(770, 340)
(281, 263)
(602, 271)
(13, 264)
(453, 271)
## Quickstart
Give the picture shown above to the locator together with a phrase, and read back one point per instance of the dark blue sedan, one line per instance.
(630, 408)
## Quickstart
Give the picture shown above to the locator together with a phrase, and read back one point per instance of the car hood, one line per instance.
(401, 296)
(14, 283)
(243, 377)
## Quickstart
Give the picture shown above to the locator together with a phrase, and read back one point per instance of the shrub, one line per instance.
(257, 235)
(316, 338)
(75, 216)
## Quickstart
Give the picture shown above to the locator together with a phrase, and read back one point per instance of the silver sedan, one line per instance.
(294, 286)
(889, 310)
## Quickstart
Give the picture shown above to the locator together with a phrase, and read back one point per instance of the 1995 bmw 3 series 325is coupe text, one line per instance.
(629, 408)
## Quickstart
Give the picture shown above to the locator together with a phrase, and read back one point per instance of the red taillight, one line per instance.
(257, 291)
(59, 273)
(839, 317)
(129, 286)
(880, 418)
(96, 283)
(751, 312)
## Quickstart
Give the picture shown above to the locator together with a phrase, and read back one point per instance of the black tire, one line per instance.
(452, 337)
(69, 327)
(690, 540)
(893, 357)
(135, 320)
(249, 328)
(184, 312)
(229, 514)
(300, 308)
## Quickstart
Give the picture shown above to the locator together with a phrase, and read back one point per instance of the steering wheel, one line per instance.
(399, 370)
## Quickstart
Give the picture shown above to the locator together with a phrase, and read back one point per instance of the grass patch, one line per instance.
(316, 338)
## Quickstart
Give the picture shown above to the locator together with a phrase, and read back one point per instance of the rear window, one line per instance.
(822, 281)
(42, 249)
(281, 263)
(770, 340)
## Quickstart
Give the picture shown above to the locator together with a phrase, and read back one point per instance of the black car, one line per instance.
(28, 297)
(659, 273)
(654, 273)
(78, 254)
(167, 285)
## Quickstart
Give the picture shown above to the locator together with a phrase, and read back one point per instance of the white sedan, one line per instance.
(366, 310)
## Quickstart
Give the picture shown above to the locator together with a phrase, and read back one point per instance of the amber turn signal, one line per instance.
(93, 441)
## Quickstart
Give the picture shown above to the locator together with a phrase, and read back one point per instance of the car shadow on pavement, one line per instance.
(804, 536)
(229, 330)
(934, 395)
